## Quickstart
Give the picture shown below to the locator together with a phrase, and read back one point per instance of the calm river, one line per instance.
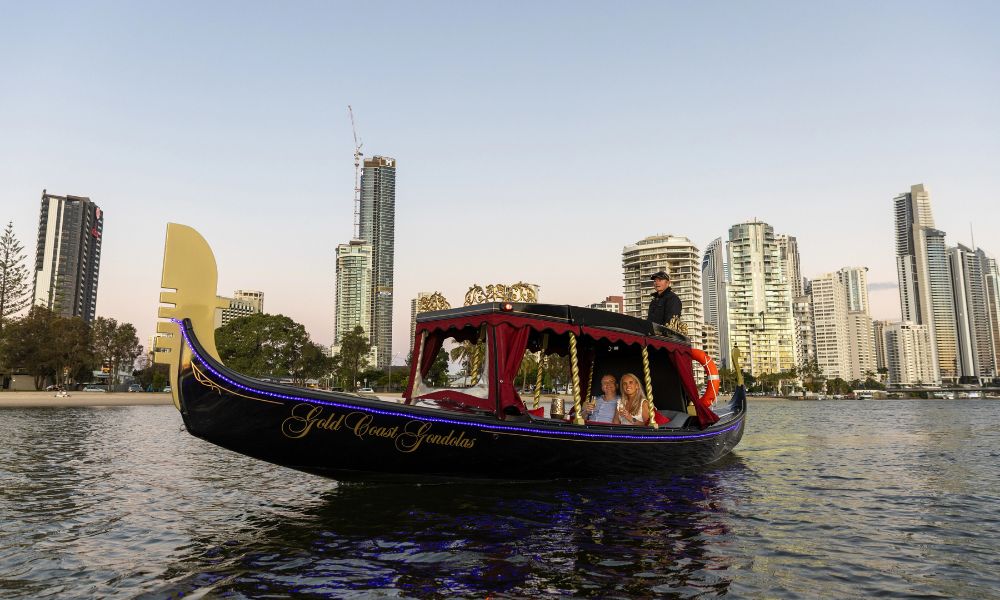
(834, 499)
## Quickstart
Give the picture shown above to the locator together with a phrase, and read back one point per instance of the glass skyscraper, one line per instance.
(378, 229)
(713, 288)
(925, 295)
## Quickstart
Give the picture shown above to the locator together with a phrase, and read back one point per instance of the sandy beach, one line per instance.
(49, 399)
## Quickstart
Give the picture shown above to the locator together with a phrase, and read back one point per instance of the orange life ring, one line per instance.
(711, 376)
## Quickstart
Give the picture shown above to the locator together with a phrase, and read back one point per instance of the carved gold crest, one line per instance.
(498, 292)
(435, 301)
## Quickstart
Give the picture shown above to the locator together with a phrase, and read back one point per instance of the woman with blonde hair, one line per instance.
(633, 408)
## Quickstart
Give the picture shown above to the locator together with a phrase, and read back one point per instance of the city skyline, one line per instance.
(801, 125)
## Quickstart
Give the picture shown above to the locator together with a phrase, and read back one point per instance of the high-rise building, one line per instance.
(805, 341)
(254, 298)
(805, 330)
(681, 260)
(908, 354)
(613, 304)
(237, 308)
(378, 230)
(243, 304)
(878, 327)
(860, 334)
(710, 341)
(991, 283)
(68, 257)
(714, 275)
(788, 252)
(944, 335)
(759, 299)
(354, 289)
(974, 335)
(855, 280)
(913, 215)
(922, 266)
(829, 302)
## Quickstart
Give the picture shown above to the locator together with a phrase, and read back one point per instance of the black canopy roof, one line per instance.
(563, 313)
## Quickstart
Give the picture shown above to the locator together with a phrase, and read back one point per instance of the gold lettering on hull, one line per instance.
(306, 418)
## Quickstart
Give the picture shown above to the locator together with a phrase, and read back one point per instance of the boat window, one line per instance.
(461, 365)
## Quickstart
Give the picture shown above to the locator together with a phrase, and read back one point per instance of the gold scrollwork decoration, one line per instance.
(436, 301)
(677, 325)
(499, 292)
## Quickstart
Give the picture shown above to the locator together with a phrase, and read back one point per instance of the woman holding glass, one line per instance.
(633, 408)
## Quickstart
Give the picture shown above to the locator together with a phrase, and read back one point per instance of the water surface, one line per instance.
(888, 498)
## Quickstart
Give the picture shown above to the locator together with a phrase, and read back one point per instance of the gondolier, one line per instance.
(665, 306)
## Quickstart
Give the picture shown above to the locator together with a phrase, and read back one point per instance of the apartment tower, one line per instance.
(759, 300)
(909, 356)
(68, 256)
(829, 303)
(924, 279)
(713, 279)
(943, 326)
(860, 332)
(378, 230)
(354, 289)
(991, 284)
(677, 256)
(254, 298)
(975, 340)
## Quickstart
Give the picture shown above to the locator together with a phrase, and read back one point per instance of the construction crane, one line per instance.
(357, 176)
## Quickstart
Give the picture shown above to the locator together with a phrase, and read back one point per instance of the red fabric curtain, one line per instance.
(431, 348)
(511, 342)
(682, 362)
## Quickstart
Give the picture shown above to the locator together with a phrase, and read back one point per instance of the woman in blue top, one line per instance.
(603, 408)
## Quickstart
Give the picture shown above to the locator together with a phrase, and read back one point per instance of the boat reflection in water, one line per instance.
(482, 431)
(628, 536)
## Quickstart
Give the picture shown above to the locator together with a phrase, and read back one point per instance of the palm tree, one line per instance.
(464, 354)
(529, 367)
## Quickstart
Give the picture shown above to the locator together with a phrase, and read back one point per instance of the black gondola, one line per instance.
(482, 430)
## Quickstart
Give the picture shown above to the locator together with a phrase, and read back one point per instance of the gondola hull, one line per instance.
(347, 437)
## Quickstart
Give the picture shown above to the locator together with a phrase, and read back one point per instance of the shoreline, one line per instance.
(95, 399)
(83, 399)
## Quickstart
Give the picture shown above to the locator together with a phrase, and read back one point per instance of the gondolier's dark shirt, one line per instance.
(664, 307)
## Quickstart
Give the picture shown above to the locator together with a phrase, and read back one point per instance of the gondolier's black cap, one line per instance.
(661, 275)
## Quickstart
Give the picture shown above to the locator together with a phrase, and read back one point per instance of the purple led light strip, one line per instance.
(389, 413)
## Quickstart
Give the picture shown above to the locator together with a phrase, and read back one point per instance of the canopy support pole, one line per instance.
(575, 367)
(541, 367)
(649, 389)
(590, 380)
(477, 357)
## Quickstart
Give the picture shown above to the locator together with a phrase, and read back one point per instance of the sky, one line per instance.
(534, 140)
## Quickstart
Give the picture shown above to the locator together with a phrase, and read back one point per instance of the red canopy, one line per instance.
(507, 341)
